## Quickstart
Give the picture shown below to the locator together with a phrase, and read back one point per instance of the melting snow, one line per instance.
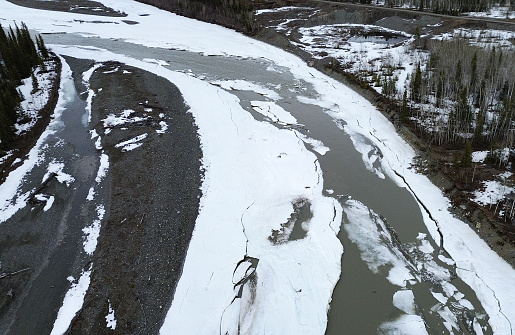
(92, 232)
(72, 303)
(132, 144)
(110, 318)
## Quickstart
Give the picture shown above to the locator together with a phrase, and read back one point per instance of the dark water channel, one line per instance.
(362, 300)
(59, 253)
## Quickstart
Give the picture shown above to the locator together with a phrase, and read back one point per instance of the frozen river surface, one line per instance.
(311, 219)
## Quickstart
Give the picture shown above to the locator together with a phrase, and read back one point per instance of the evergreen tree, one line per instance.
(404, 108)
(478, 131)
(473, 71)
(457, 76)
(416, 84)
(466, 158)
(42, 47)
(18, 57)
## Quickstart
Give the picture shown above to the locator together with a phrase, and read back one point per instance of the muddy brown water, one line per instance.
(362, 300)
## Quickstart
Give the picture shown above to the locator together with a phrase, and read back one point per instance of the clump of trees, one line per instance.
(465, 93)
(235, 14)
(450, 7)
(18, 57)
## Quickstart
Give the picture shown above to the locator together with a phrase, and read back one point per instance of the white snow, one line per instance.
(113, 120)
(49, 201)
(497, 11)
(12, 198)
(110, 318)
(85, 79)
(132, 143)
(72, 303)
(479, 156)
(486, 38)
(92, 232)
(34, 100)
(91, 194)
(57, 168)
(282, 9)
(163, 129)
(494, 191)
(103, 168)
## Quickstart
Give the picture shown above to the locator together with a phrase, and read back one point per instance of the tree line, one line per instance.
(235, 14)
(464, 93)
(449, 7)
(19, 54)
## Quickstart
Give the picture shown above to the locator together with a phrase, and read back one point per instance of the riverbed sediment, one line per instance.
(153, 195)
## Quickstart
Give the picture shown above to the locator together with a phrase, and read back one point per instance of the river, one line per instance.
(344, 173)
(363, 299)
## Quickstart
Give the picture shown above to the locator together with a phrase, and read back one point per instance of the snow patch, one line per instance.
(92, 232)
(110, 318)
(56, 168)
(132, 143)
(72, 303)
(103, 168)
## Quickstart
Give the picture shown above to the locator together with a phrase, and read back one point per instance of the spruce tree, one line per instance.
(416, 84)
(466, 158)
(42, 47)
(18, 57)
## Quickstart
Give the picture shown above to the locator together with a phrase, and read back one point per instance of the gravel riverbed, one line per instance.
(152, 202)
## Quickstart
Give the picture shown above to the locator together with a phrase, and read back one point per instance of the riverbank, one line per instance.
(25, 141)
(149, 201)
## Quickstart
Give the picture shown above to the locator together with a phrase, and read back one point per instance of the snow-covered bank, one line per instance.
(12, 198)
(245, 201)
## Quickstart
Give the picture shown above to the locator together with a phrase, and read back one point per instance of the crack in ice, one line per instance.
(494, 295)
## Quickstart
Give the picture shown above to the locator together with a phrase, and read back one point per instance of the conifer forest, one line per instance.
(19, 54)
